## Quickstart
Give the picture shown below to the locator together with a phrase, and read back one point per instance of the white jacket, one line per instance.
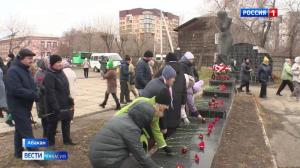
(296, 70)
(71, 76)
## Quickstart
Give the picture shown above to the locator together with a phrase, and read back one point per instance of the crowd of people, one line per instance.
(164, 99)
(290, 76)
(51, 86)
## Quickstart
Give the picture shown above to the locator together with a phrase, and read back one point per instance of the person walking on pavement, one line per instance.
(245, 76)
(118, 145)
(264, 73)
(40, 105)
(131, 81)
(59, 104)
(21, 93)
(71, 76)
(286, 77)
(124, 77)
(111, 78)
(86, 67)
(296, 77)
(143, 71)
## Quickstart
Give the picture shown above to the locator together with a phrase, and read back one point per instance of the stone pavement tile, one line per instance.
(293, 118)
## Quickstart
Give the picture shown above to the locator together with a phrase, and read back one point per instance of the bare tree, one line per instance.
(18, 32)
(258, 28)
(293, 25)
(121, 42)
(108, 30)
(88, 32)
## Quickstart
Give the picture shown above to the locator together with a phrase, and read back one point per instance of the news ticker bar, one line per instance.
(44, 155)
(259, 12)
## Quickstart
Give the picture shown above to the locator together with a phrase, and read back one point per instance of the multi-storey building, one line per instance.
(41, 45)
(148, 23)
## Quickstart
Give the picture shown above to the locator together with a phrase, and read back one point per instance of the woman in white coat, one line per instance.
(296, 77)
(71, 76)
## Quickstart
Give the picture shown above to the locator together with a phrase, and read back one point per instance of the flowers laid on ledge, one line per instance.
(220, 72)
(215, 103)
(220, 68)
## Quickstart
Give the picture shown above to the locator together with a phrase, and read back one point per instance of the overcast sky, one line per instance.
(56, 16)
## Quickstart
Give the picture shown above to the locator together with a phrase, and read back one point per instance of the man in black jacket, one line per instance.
(143, 72)
(120, 137)
(58, 102)
(21, 93)
(124, 77)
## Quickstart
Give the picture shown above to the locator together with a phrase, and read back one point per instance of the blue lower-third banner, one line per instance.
(44, 155)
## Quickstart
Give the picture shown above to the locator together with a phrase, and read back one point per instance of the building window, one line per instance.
(42, 44)
(48, 53)
(43, 54)
(54, 44)
(48, 44)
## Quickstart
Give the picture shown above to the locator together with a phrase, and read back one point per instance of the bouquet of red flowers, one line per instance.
(221, 68)
(220, 71)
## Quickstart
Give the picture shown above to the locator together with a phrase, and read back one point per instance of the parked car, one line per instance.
(96, 57)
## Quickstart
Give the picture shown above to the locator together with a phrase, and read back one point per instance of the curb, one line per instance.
(267, 141)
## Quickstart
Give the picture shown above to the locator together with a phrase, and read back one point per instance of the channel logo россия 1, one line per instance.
(259, 12)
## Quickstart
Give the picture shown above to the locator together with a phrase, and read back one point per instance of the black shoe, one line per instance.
(122, 102)
(278, 94)
(102, 105)
(240, 90)
(129, 101)
(70, 143)
(10, 123)
(118, 107)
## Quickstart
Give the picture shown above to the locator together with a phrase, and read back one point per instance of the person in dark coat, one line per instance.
(120, 137)
(264, 73)
(58, 101)
(172, 117)
(11, 57)
(103, 62)
(21, 93)
(154, 87)
(245, 76)
(143, 71)
(40, 106)
(186, 63)
(124, 78)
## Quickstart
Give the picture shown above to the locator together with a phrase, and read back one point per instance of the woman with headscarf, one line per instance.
(264, 72)
(296, 77)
